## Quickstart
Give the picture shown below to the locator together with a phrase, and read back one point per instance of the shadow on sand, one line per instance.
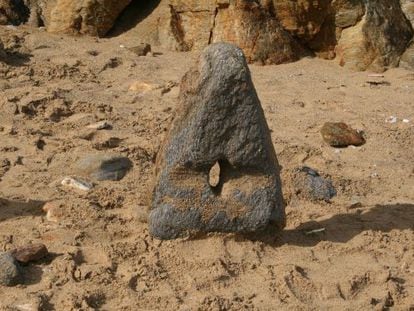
(342, 227)
(11, 209)
(15, 59)
(132, 15)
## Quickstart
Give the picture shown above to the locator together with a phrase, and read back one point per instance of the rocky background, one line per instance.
(359, 34)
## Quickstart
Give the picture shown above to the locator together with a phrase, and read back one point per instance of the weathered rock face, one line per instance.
(219, 120)
(378, 40)
(408, 8)
(255, 29)
(348, 12)
(251, 25)
(302, 18)
(185, 25)
(92, 17)
(407, 59)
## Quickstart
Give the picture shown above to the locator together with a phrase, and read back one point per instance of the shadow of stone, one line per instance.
(32, 274)
(132, 15)
(15, 59)
(342, 227)
(11, 209)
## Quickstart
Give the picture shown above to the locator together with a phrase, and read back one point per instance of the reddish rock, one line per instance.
(32, 252)
(341, 135)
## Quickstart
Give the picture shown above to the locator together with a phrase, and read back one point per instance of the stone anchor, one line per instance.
(219, 121)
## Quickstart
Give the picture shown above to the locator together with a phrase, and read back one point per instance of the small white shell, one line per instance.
(102, 125)
(76, 183)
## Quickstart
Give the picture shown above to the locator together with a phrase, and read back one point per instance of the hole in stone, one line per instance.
(40, 22)
(132, 15)
(214, 176)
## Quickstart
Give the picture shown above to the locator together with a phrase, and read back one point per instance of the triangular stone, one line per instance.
(219, 120)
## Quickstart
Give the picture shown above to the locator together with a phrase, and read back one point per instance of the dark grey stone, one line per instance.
(104, 166)
(310, 185)
(219, 120)
(10, 273)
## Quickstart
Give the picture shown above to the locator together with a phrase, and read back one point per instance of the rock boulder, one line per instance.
(219, 123)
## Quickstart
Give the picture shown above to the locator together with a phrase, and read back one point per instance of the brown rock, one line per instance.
(85, 17)
(341, 135)
(33, 252)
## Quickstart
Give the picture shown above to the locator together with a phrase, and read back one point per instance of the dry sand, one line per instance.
(102, 256)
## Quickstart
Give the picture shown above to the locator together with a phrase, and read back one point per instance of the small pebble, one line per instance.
(391, 119)
(355, 202)
(142, 87)
(53, 211)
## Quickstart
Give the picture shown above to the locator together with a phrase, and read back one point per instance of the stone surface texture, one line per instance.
(10, 273)
(219, 120)
(311, 186)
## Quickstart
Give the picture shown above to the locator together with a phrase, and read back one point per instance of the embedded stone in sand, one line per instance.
(219, 122)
